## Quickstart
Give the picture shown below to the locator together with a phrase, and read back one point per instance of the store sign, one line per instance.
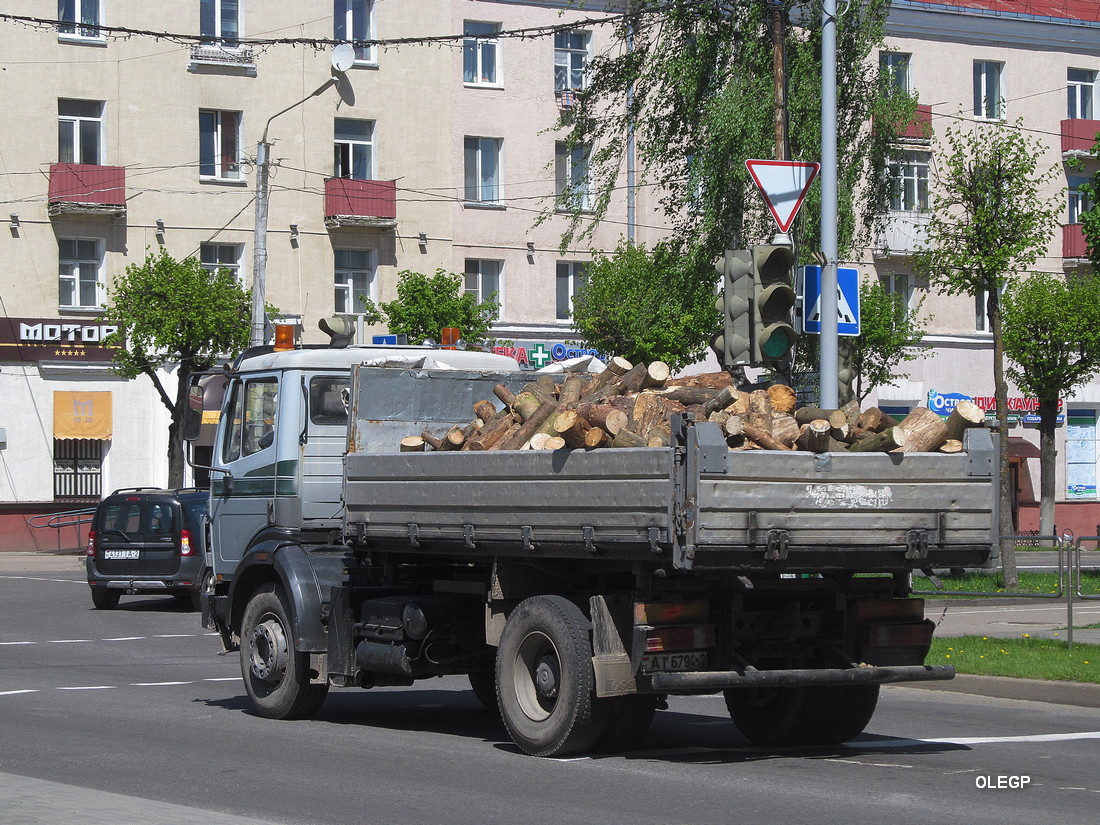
(533, 355)
(53, 339)
(1025, 410)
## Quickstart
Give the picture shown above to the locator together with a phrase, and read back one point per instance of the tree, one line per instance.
(1052, 336)
(175, 312)
(647, 306)
(890, 334)
(991, 218)
(1090, 218)
(427, 303)
(691, 86)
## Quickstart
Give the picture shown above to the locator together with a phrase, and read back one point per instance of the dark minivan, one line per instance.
(148, 541)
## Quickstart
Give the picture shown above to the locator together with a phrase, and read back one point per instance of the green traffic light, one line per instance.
(778, 343)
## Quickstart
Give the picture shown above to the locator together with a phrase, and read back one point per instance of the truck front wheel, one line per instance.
(545, 682)
(276, 675)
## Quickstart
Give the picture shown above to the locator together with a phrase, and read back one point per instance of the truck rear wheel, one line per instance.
(276, 675)
(805, 715)
(545, 681)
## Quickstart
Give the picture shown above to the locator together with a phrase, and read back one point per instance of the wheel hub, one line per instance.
(547, 677)
(268, 651)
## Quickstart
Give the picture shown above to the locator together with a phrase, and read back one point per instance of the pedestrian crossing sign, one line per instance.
(847, 300)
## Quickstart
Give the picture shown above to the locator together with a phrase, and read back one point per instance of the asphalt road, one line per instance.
(131, 716)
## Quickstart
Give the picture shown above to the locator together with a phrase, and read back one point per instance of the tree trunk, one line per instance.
(176, 456)
(1000, 391)
(1048, 414)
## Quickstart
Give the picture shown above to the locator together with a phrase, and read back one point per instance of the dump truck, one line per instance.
(577, 589)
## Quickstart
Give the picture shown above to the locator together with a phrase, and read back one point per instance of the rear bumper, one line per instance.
(725, 679)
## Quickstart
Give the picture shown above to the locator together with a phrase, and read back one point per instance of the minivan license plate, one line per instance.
(121, 554)
(664, 662)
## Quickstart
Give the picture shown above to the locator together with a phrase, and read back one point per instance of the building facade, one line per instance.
(135, 127)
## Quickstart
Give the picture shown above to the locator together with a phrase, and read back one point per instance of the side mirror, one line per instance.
(191, 425)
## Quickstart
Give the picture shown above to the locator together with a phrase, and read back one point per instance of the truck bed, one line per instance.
(694, 505)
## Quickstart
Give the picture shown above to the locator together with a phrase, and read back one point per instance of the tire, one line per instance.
(484, 685)
(545, 682)
(768, 715)
(629, 718)
(276, 676)
(105, 599)
(806, 715)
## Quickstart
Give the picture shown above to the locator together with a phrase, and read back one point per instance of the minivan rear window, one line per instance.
(138, 520)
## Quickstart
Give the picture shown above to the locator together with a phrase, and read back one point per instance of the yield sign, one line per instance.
(784, 184)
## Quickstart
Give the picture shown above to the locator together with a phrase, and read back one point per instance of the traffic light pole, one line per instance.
(828, 369)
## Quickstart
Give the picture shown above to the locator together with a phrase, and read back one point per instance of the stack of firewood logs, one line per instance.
(630, 405)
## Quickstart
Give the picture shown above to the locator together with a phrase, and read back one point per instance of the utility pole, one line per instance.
(779, 62)
(829, 369)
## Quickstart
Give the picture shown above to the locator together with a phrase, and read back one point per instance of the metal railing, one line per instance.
(62, 520)
(1069, 576)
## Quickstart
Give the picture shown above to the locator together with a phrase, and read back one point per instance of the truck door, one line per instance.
(242, 504)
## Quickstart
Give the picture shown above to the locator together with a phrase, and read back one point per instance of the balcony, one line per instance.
(369, 204)
(902, 234)
(919, 129)
(83, 189)
(1074, 246)
(1078, 137)
(214, 57)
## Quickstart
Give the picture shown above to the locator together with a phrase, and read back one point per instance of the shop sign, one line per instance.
(533, 355)
(1020, 409)
(53, 339)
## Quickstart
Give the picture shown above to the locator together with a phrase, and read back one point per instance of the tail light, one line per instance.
(91, 543)
(185, 543)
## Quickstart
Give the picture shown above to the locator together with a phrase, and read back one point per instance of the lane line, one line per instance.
(88, 687)
(16, 692)
(158, 684)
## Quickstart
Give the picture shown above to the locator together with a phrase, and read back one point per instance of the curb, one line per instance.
(1078, 694)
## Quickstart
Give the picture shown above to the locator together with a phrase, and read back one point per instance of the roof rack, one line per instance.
(138, 490)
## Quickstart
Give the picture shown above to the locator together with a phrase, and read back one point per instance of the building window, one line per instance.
(1079, 201)
(80, 285)
(220, 22)
(570, 60)
(354, 20)
(570, 281)
(354, 279)
(989, 101)
(79, 18)
(481, 54)
(898, 283)
(571, 177)
(482, 169)
(1081, 90)
(1081, 454)
(77, 467)
(981, 310)
(482, 280)
(215, 256)
(220, 145)
(894, 66)
(79, 131)
(909, 190)
(354, 149)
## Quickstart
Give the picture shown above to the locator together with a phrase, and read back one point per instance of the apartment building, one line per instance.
(993, 61)
(134, 127)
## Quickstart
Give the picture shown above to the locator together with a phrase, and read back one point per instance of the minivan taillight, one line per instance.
(185, 543)
(91, 542)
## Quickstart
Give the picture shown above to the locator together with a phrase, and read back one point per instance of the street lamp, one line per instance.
(343, 56)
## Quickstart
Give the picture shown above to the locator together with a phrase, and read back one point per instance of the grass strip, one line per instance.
(993, 582)
(1027, 657)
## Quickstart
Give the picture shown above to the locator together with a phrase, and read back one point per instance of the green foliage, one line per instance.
(170, 311)
(648, 305)
(427, 303)
(990, 217)
(1090, 219)
(890, 333)
(1052, 332)
(698, 82)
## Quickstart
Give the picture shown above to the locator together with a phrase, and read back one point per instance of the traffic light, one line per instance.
(733, 345)
(773, 335)
(845, 373)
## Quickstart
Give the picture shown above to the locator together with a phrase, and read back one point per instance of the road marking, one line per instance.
(18, 643)
(158, 684)
(870, 764)
(14, 692)
(68, 641)
(976, 740)
(115, 639)
(89, 687)
(44, 579)
(224, 679)
(177, 635)
(125, 639)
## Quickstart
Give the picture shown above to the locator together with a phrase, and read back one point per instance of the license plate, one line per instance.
(658, 662)
(121, 554)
